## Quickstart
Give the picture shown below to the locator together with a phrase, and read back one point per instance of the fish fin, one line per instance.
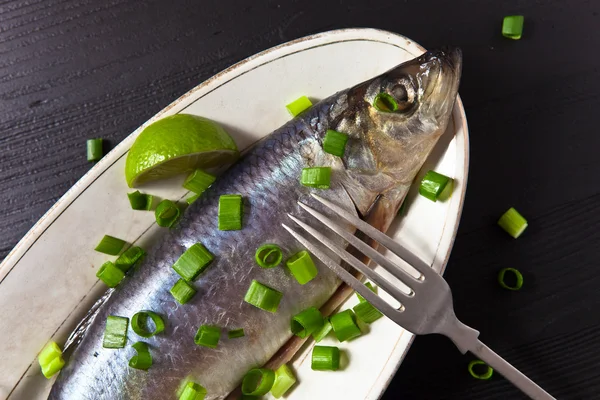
(83, 325)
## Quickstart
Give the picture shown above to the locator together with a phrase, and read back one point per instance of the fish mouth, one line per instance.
(444, 67)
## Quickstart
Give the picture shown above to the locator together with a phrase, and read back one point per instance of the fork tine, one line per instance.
(346, 276)
(367, 250)
(420, 266)
(391, 289)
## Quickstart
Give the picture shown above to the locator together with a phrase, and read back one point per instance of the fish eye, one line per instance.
(397, 99)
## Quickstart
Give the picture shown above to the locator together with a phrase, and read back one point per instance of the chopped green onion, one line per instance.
(193, 262)
(115, 332)
(193, 391)
(344, 325)
(484, 376)
(297, 106)
(129, 258)
(51, 360)
(94, 149)
(284, 380)
(198, 181)
(335, 143)
(512, 26)
(230, 212)
(268, 255)
(263, 297)
(502, 280)
(140, 201)
(208, 336)
(139, 323)
(166, 213)
(513, 223)
(366, 312)
(182, 291)
(323, 332)
(302, 267)
(236, 333)
(433, 184)
(258, 381)
(385, 103)
(373, 289)
(316, 177)
(307, 322)
(192, 199)
(110, 274)
(325, 358)
(110, 245)
(143, 359)
(51, 368)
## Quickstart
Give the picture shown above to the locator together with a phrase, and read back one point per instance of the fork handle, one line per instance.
(499, 364)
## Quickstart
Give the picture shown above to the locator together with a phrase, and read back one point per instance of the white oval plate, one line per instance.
(48, 282)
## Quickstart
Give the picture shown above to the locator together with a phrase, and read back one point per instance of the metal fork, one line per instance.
(426, 308)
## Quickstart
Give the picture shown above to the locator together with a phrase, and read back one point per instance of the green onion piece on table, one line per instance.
(230, 212)
(483, 376)
(302, 267)
(335, 143)
(316, 177)
(140, 201)
(110, 274)
(142, 360)
(366, 312)
(258, 381)
(513, 223)
(284, 380)
(325, 358)
(433, 184)
(129, 258)
(236, 333)
(323, 332)
(110, 245)
(300, 104)
(182, 291)
(51, 360)
(512, 26)
(115, 332)
(94, 149)
(193, 391)
(518, 279)
(307, 322)
(208, 336)
(166, 213)
(373, 289)
(344, 325)
(139, 323)
(193, 262)
(385, 103)
(192, 199)
(263, 297)
(268, 256)
(198, 181)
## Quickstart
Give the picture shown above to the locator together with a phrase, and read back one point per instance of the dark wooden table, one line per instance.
(75, 69)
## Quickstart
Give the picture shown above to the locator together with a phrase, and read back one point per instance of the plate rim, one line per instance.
(204, 88)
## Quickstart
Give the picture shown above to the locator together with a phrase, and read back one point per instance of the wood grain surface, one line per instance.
(76, 69)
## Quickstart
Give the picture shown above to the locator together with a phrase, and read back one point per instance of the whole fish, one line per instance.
(384, 152)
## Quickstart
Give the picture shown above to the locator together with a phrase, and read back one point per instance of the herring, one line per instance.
(384, 152)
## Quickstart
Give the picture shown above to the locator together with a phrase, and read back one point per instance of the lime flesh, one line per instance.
(175, 145)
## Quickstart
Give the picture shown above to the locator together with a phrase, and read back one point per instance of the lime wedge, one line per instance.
(175, 145)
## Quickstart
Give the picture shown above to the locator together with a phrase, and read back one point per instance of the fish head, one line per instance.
(394, 121)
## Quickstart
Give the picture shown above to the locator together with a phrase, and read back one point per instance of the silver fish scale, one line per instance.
(268, 178)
